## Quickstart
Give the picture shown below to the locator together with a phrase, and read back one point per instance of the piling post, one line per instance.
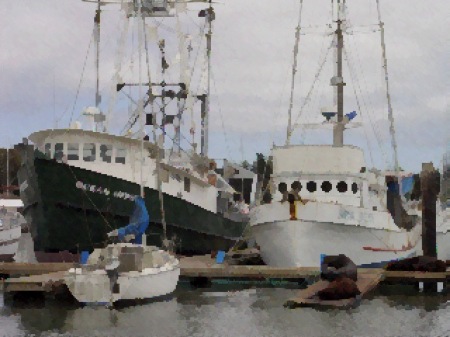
(430, 184)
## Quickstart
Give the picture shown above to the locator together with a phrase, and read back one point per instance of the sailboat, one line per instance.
(125, 271)
(77, 184)
(12, 223)
(336, 205)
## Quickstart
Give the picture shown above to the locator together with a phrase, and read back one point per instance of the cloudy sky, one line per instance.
(44, 45)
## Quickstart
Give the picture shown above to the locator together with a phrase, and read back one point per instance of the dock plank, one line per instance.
(42, 282)
(13, 268)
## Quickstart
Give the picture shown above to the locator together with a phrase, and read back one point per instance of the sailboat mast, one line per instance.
(141, 101)
(97, 54)
(7, 171)
(338, 130)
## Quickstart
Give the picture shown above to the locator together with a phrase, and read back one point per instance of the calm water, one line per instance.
(217, 311)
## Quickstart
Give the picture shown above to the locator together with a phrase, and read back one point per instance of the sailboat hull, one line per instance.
(95, 287)
(69, 209)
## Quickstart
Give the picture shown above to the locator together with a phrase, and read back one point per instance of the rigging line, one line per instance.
(372, 124)
(388, 96)
(294, 71)
(375, 128)
(93, 204)
(221, 116)
(81, 78)
(308, 96)
(118, 67)
(359, 107)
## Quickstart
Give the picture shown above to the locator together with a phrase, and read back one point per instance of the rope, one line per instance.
(388, 96)
(81, 79)
(358, 105)
(294, 71)
(221, 117)
(308, 96)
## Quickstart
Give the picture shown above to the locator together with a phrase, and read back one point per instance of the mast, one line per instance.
(7, 172)
(140, 101)
(388, 96)
(338, 81)
(294, 71)
(210, 16)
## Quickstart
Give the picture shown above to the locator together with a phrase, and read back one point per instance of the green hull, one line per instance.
(73, 209)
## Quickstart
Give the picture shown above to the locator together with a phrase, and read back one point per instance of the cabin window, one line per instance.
(354, 188)
(106, 153)
(187, 184)
(89, 152)
(311, 186)
(326, 186)
(342, 186)
(121, 154)
(48, 149)
(164, 176)
(73, 151)
(59, 151)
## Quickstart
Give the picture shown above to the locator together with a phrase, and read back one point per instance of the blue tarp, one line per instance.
(138, 222)
(407, 184)
(351, 115)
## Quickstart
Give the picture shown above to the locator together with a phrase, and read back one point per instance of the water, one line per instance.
(221, 311)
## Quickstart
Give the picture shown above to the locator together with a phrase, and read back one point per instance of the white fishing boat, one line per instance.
(336, 205)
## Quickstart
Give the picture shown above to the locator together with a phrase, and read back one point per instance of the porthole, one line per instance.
(326, 186)
(311, 186)
(342, 186)
(282, 187)
(296, 185)
(354, 188)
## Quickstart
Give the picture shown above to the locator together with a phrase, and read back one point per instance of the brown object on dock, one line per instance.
(367, 280)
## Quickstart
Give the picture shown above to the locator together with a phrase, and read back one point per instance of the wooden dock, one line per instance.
(18, 269)
(367, 280)
(49, 278)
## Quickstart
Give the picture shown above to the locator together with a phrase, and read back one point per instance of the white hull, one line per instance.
(94, 287)
(300, 243)
(9, 240)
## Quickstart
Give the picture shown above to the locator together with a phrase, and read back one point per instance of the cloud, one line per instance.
(44, 46)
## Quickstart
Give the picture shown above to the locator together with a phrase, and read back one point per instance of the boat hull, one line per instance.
(91, 288)
(300, 243)
(9, 242)
(73, 209)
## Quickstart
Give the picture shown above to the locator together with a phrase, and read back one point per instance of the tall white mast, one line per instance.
(388, 96)
(294, 71)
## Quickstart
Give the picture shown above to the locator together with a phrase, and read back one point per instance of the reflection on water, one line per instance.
(389, 311)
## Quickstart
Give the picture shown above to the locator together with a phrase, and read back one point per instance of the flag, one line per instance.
(351, 115)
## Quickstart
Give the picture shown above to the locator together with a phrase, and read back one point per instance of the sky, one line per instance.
(45, 47)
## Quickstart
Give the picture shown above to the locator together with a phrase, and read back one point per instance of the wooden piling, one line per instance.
(430, 185)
